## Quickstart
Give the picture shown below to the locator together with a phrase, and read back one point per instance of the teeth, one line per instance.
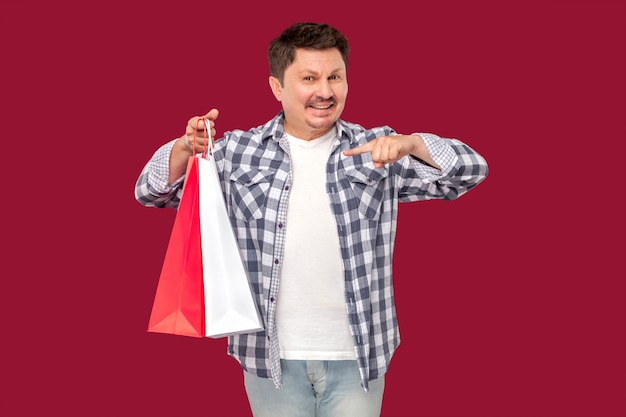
(321, 107)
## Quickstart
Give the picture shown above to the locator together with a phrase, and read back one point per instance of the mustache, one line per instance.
(321, 101)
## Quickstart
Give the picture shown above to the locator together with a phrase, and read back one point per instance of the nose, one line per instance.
(325, 91)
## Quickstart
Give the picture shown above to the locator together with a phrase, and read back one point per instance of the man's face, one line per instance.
(314, 92)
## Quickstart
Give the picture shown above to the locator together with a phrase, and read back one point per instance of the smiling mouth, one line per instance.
(322, 107)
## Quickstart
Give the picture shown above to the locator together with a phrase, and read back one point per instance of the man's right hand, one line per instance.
(195, 138)
(187, 146)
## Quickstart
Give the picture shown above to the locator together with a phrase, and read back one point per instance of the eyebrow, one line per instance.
(309, 71)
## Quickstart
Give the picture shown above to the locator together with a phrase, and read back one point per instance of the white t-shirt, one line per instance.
(311, 314)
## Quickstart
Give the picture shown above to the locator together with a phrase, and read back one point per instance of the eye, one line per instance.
(308, 78)
(333, 77)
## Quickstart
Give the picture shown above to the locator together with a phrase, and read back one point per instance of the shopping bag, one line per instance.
(203, 290)
(228, 302)
(178, 306)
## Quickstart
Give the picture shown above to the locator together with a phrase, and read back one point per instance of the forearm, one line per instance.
(460, 169)
(420, 151)
(179, 157)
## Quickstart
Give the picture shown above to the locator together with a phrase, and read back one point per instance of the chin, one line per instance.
(322, 126)
(323, 122)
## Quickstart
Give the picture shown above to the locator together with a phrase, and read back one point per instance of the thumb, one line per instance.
(212, 114)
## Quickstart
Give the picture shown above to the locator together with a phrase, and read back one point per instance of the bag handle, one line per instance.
(207, 124)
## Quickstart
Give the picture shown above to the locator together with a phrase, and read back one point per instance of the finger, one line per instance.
(197, 139)
(196, 143)
(394, 154)
(200, 131)
(195, 122)
(198, 122)
(387, 150)
(380, 152)
(366, 147)
(212, 114)
(197, 127)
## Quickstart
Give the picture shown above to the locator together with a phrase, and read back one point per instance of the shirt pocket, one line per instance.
(369, 189)
(249, 190)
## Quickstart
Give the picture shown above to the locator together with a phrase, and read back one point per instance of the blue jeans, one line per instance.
(315, 389)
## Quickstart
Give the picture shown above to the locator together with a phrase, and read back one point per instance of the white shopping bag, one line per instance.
(228, 302)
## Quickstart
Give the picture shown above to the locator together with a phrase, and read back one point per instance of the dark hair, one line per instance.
(282, 50)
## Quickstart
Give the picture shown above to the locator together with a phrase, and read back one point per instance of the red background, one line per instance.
(511, 300)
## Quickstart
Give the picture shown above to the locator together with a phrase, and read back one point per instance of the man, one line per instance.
(313, 202)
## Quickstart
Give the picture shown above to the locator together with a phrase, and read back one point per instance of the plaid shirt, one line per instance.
(255, 171)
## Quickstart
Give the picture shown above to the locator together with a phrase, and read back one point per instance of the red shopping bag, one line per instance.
(178, 306)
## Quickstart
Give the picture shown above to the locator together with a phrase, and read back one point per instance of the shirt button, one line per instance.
(272, 299)
(276, 261)
(286, 187)
(280, 225)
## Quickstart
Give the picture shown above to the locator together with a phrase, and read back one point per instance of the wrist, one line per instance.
(183, 145)
(418, 145)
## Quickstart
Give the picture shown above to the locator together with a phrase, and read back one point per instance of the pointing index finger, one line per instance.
(366, 147)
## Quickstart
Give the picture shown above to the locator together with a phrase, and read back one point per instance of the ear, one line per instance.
(275, 86)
